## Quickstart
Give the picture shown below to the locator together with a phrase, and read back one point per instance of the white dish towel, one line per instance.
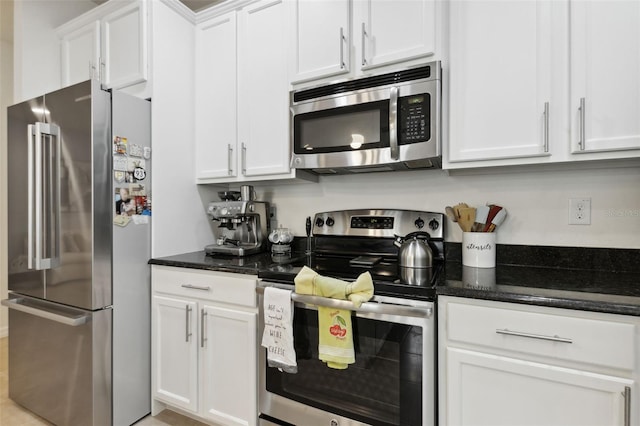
(278, 329)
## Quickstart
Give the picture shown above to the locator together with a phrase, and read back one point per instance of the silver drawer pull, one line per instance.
(195, 287)
(534, 336)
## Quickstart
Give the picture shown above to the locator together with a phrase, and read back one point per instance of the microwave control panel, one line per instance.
(413, 121)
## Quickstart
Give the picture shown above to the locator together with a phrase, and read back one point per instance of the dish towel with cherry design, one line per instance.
(335, 340)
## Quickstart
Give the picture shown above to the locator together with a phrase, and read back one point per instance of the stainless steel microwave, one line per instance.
(380, 123)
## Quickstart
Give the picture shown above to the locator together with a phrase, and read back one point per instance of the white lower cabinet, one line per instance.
(507, 364)
(204, 345)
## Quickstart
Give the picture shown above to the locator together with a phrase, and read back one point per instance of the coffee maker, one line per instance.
(243, 223)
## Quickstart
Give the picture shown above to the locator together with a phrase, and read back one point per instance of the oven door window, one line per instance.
(343, 129)
(383, 387)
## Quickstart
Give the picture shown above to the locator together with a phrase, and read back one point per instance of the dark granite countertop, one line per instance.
(589, 290)
(607, 291)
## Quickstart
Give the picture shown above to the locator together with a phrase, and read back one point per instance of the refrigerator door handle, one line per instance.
(44, 196)
(73, 320)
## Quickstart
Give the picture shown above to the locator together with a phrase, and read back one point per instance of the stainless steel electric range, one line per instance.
(393, 381)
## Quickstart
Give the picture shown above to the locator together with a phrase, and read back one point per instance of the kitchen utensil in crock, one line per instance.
(481, 218)
(493, 211)
(466, 218)
(497, 220)
(451, 214)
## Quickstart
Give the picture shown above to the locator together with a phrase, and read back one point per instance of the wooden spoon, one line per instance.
(467, 218)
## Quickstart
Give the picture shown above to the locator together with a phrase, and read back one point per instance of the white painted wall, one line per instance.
(37, 64)
(6, 96)
(537, 201)
(179, 222)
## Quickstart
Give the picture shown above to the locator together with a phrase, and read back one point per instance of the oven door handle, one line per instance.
(366, 307)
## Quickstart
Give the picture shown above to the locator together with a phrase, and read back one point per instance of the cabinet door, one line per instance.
(229, 366)
(263, 87)
(605, 65)
(124, 46)
(175, 352)
(320, 38)
(80, 51)
(500, 79)
(216, 72)
(390, 31)
(484, 389)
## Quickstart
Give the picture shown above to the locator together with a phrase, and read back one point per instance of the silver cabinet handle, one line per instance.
(43, 231)
(244, 159)
(533, 336)
(583, 136)
(73, 320)
(366, 307)
(342, 41)
(188, 323)
(203, 315)
(546, 127)
(230, 159)
(364, 51)
(627, 406)
(195, 287)
(393, 119)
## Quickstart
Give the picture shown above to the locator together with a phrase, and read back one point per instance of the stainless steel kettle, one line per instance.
(414, 250)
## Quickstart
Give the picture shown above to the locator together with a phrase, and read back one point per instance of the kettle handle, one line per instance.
(418, 234)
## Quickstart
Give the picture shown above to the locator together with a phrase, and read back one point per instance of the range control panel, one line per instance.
(378, 223)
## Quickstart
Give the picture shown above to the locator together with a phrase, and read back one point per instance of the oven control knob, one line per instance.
(419, 223)
(224, 211)
(433, 224)
(330, 221)
(319, 222)
(334, 422)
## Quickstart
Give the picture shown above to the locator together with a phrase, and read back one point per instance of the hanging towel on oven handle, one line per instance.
(335, 346)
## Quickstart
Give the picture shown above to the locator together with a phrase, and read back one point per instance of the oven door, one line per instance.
(369, 127)
(391, 383)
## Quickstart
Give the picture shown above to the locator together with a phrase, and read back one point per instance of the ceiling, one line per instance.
(197, 5)
(194, 5)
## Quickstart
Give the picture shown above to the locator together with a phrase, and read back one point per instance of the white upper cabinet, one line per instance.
(109, 43)
(242, 96)
(543, 82)
(392, 31)
(500, 80)
(355, 38)
(124, 46)
(263, 90)
(80, 50)
(320, 39)
(216, 77)
(605, 70)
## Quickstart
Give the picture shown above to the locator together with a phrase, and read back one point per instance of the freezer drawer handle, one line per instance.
(17, 304)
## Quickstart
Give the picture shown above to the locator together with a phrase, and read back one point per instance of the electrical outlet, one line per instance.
(579, 211)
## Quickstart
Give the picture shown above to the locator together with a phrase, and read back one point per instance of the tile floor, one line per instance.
(12, 414)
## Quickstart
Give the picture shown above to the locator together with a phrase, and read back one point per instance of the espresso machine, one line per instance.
(243, 223)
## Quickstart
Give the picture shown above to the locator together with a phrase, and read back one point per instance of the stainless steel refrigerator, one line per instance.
(79, 283)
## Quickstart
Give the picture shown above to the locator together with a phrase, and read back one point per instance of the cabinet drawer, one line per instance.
(541, 332)
(209, 285)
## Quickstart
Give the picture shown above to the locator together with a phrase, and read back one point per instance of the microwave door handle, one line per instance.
(393, 120)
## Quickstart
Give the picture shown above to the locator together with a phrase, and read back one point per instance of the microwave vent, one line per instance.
(363, 83)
